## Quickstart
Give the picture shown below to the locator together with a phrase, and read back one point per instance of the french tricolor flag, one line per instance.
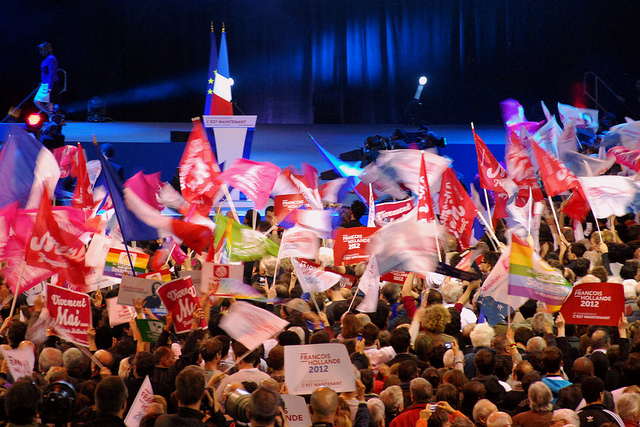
(221, 100)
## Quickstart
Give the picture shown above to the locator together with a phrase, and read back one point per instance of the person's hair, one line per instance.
(521, 369)
(456, 378)
(578, 249)
(482, 409)
(351, 326)
(210, 348)
(439, 418)
(499, 419)
(491, 258)
(580, 266)
(390, 292)
(421, 390)
(366, 376)
(591, 389)
(288, 337)
(392, 398)
(628, 407)
(568, 415)
(164, 351)
(448, 393)
(376, 411)
(422, 346)
(145, 364)
(400, 340)
(540, 397)
(503, 367)
(536, 345)
(320, 337)
(275, 360)
(462, 422)
(435, 318)
(407, 370)
(358, 209)
(530, 378)
(111, 395)
(552, 359)
(239, 349)
(451, 291)
(434, 297)
(73, 361)
(190, 384)
(264, 405)
(601, 273)
(523, 335)
(370, 334)
(539, 321)
(325, 407)
(21, 402)
(484, 361)
(49, 357)
(482, 335)
(600, 339)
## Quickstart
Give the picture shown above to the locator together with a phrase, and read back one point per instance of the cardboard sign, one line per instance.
(72, 312)
(296, 411)
(179, 296)
(149, 329)
(117, 263)
(251, 325)
(143, 400)
(307, 367)
(196, 278)
(284, 204)
(350, 246)
(346, 280)
(118, 313)
(132, 288)
(94, 279)
(395, 276)
(392, 211)
(20, 362)
(594, 304)
(212, 273)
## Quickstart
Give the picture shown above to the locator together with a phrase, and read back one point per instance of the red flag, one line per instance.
(198, 170)
(195, 236)
(577, 208)
(493, 177)
(457, 210)
(83, 195)
(555, 176)
(626, 157)
(54, 249)
(254, 179)
(67, 159)
(425, 204)
(521, 169)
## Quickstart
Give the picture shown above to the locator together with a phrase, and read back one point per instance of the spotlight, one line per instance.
(422, 80)
(96, 110)
(34, 120)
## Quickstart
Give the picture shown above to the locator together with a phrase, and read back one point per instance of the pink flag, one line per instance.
(626, 157)
(146, 187)
(254, 179)
(457, 210)
(425, 203)
(369, 284)
(66, 157)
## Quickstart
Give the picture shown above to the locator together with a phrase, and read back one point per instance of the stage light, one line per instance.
(231, 81)
(34, 120)
(422, 80)
(96, 110)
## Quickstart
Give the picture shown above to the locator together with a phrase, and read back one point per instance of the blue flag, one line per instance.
(211, 76)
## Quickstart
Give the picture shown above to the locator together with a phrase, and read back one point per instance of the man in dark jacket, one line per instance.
(595, 414)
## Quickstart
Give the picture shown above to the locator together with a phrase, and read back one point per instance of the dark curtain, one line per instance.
(296, 61)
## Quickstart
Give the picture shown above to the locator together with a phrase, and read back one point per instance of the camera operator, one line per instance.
(190, 388)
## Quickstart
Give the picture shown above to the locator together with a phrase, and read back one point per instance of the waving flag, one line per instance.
(555, 176)
(405, 165)
(531, 277)
(493, 177)
(611, 195)
(369, 284)
(254, 179)
(314, 280)
(457, 210)
(25, 167)
(626, 157)
(198, 170)
(83, 195)
(66, 156)
(300, 243)
(583, 118)
(425, 203)
(146, 187)
(513, 117)
(245, 244)
(211, 76)
(221, 98)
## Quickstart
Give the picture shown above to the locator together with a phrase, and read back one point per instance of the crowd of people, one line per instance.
(424, 357)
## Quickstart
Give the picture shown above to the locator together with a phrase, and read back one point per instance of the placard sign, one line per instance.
(212, 273)
(133, 288)
(179, 296)
(307, 367)
(296, 411)
(350, 246)
(392, 211)
(395, 276)
(20, 362)
(72, 311)
(117, 263)
(594, 304)
(284, 204)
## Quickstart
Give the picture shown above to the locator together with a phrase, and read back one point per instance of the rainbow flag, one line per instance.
(164, 275)
(117, 263)
(531, 277)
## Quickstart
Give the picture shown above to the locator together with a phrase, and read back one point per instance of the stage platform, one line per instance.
(148, 146)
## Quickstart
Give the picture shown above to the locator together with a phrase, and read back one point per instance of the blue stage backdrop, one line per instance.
(352, 61)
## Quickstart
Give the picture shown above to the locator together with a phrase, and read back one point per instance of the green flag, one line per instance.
(245, 243)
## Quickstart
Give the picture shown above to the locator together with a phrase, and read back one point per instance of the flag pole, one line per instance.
(315, 302)
(489, 214)
(353, 299)
(489, 230)
(530, 211)
(126, 247)
(435, 233)
(15, 296)
(555, 217)
(225, 188)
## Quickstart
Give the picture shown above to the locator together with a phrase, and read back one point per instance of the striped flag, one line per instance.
(117, 263)
(221, 97)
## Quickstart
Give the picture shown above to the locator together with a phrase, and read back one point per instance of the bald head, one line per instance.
(324, 405)
(583, 367)
(104, 357)
(481, 411)
(49, 357)
(26, 344)
(600, 339)
(499, 419)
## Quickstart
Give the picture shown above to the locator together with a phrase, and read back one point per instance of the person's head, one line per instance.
(484, 361)
(536, 345)
(351, 326)
(45, 49)
(628, 407)
(49, 357)
(21, 402)
(523, 335)
(521, 369)
(111, 396)
(393, 399)
(576, 250)
(435, 318)
(211, 350)
(400, 340)
(421, 390)
(433, 297)
(73, 362)
(552, 359)
(451, 291)
(190, 384)
(600, 339)
(376, 412)
(324, 405)
(165, 357)
(592, 390)
(499, 419)
(358, 209)
(481, 335)
(539, 397)
(144, 363)
(473, 391)
(583, 367)
(264, 406)
(248, 218)
(16, 334)
(562, 417)
(407, 370)
(390, 292)
(370, 334)
(275, 360)
(539, 321)
(269, 213)
(481, 411)
(448, 393)
(250, 359)
(108, 150)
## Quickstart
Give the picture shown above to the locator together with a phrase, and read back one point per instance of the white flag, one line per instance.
(300, 243)
(314, 280)
(372, 209)
(251, 325)
(610, 195)
(369, 284)
(317, 221)
(144, 398)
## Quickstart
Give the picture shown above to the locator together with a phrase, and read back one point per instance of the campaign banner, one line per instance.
(395, 276)
(149, 329)
(143, 400)
(307, 367)
(20, 362)
(196, 278)
(296, 411)
(72, 312)
(117, 263)
(594, 304)
(118, 313)
(350, 246)
(346, 280)
(392, 211)
(251, 325)
(212, 273)
(284, 204)
(132, 288)
(179, 296)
